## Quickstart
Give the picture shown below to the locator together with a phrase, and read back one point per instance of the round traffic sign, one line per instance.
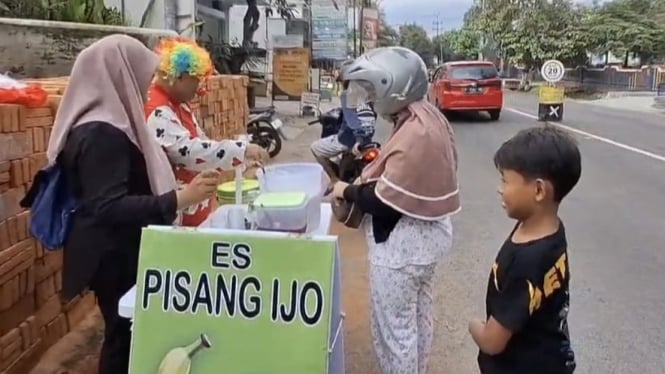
(552, 71)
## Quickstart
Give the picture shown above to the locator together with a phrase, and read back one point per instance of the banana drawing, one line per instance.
(179, 360)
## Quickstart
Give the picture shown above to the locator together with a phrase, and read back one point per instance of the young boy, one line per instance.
(526, 330)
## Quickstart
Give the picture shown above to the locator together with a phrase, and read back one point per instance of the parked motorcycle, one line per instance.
(348, 166)
(265, 130)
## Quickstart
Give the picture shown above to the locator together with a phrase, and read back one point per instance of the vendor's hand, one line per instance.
(201, 188)
(255, 155)
(476, 324)
(338, 190)
(356, 150)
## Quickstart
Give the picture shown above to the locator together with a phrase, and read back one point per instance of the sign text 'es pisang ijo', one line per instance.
(234, 294)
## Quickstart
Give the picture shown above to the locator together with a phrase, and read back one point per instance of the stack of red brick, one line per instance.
(32, 315)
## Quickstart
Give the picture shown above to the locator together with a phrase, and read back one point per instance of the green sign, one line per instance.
(229, 303)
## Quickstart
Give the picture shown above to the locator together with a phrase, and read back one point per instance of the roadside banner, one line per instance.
(237, 303)
(290, 73)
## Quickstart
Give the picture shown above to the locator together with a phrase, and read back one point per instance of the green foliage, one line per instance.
(531, 31)
(82, 11)
(415, 38)
(624, 27)
(463, 43)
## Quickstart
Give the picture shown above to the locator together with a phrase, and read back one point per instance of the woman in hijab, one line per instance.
(120, 177)
(408, 195)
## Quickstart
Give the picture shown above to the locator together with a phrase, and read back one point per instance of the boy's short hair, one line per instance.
(543, 152)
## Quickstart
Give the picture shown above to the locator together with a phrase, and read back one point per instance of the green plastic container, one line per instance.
(281, 211)
(226, 192)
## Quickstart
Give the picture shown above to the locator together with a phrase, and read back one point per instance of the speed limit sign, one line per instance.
(552, 71)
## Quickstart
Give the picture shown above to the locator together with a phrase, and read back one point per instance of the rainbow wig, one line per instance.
(181, 56)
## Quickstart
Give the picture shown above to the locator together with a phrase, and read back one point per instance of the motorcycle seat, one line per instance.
(261, 109)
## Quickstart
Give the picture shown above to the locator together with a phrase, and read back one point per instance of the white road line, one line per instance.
(595, 137)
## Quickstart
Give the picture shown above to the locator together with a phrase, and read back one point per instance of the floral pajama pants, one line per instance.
(401, 317)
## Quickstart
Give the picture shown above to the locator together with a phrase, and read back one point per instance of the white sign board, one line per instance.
(309, 99)
(552, 71)
(287, 41)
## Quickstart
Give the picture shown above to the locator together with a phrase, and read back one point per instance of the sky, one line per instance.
(424, 12)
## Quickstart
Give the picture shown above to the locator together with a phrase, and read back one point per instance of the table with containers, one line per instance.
(285, 201)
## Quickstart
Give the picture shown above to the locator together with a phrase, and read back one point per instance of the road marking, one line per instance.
(595, 137)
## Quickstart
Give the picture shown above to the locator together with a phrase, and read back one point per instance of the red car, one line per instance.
(467, 86)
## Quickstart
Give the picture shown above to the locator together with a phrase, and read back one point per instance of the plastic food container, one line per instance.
(300, 176)
(226, 192)
(281, 211)
(229, 216)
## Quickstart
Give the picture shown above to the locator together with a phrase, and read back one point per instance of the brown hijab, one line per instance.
(108, 83)
(416, 171)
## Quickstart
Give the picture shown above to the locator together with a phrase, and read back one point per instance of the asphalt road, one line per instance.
(616, 233)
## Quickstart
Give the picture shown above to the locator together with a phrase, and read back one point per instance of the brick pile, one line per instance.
(225, 103)
(32, 315)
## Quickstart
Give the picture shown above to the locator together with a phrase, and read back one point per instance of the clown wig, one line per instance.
(181, 56)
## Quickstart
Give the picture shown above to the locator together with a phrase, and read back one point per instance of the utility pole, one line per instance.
(361, 26)
(482, 36)
(355, 31)
(438, 30)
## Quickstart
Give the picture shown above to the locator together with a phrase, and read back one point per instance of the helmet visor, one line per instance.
(359, 93)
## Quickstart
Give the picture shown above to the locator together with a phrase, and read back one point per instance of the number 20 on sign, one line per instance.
(552, 71)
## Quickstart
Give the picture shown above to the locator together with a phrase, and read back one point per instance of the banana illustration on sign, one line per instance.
(179, 360)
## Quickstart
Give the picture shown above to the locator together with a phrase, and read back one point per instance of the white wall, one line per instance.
(134, 9)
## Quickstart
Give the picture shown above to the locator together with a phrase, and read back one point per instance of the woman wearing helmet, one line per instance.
(408, 195)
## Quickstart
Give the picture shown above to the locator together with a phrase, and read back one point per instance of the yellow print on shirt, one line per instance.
(551, 282)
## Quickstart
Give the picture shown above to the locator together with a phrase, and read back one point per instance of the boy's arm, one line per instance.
(510, 313)
(193, 153)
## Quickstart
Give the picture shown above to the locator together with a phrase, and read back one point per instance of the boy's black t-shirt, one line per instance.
(527, 293)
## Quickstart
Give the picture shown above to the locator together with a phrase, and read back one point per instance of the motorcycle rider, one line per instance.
(358, 126)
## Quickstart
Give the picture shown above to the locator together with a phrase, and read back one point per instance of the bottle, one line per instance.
(179, 360)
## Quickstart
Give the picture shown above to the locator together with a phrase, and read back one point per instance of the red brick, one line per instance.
(57, 278)
(37, 162)
(5, 177)
(9, 293)
(12, 117)
(49, 311)
(44, 290)
(55, 330)
(15, 145)
(5, 166)
(38, 139)
(4, 236)
(48, 265)
(25, 166)
(18, 312)
(16, 172)
(22, 225)
(9, 202)
(38, 112)
(28, 359)
(10, 347)
(12, 228)
(15, 259)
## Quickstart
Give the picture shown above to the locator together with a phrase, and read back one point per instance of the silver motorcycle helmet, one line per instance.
(390, 77)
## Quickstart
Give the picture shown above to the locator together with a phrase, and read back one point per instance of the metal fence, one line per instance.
(609, 78)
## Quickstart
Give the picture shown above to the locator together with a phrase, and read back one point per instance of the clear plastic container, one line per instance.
(300, 176)
(228, 216)
(281, 211)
